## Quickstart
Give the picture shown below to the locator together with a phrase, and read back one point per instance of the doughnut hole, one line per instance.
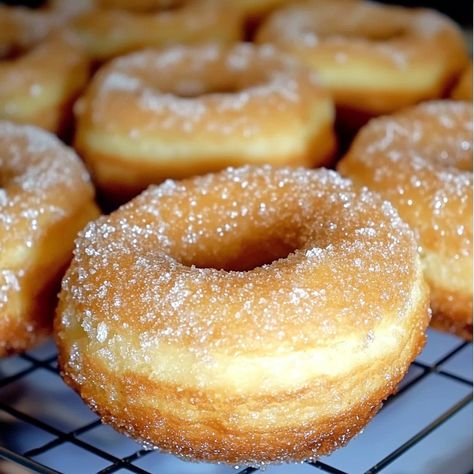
(142, 6)
(202, 81)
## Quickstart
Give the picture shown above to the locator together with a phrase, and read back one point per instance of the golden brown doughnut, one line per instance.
(22, 28)
(374, 58)
(250, 316)
(420, 159)
(45, 198)
(39, 86)
(463, 88)
(107, 33)
(195, 110)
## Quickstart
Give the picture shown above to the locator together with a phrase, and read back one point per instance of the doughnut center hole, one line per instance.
(190, 90)
(377, 33)
(12, 54)
(381, 35)
(144, 6)
(249, 256)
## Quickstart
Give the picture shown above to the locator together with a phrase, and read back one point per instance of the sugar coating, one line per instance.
(209, 87)
(176, 248)
(425, 153)
(348, 28)
(36, 173)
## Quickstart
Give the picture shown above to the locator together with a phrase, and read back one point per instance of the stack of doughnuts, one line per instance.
(243, 305)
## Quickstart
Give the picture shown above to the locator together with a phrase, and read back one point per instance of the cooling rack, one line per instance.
(425, 428)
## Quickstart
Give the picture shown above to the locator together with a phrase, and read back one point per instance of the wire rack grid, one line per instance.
(425, 427)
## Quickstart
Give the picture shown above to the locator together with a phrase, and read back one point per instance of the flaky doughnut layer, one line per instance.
(39, 87)
(194, 110)
(374, 58)
(421, 160)
(176, 329)
(45, 198)
(191, 22)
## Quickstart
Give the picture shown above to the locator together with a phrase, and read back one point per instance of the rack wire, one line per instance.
(45, 428)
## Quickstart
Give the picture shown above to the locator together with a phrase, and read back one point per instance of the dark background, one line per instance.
(459, 10)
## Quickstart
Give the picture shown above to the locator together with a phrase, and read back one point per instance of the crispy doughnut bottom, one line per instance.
(208, 438)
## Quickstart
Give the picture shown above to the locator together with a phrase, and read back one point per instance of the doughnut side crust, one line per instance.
(280, 362)
(243, 105)
(463, 88)
(45, 199)
(375, 58)
(39, 87)
(420, 160)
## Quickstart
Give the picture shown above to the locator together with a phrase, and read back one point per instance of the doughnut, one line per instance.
(45, 198)
(374, 58)
(192, 110)
(253, 315)
(39, 86)
(22, 28)
(102, 30)
(420, 159)
(463, 88)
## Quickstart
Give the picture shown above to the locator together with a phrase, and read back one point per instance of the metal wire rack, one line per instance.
(425, 427)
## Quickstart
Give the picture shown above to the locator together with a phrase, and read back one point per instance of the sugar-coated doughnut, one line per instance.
(185, 111)
(39, 86)
(22, 28)
(45, 198)
(421, 160)
(375, 58)
(463, 88)
(107, 33)
(249, 316)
